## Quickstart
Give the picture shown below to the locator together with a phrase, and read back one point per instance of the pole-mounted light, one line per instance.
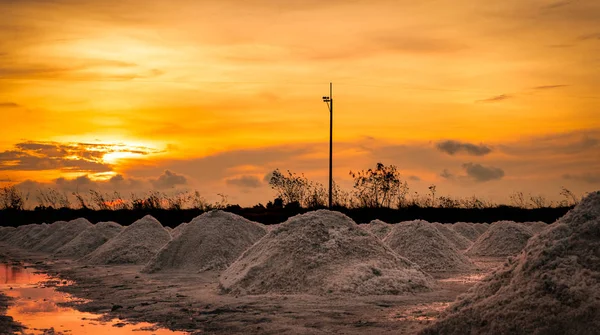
(329, 101)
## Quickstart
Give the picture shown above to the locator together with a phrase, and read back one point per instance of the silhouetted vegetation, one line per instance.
(378, 193)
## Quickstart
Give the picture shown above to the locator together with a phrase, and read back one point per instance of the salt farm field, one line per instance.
(320, 272)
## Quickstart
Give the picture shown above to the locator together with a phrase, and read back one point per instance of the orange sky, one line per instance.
(219, 93)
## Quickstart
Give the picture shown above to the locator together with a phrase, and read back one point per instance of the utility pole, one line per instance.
(329, 101)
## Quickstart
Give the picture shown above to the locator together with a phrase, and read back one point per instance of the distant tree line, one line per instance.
(379, 187)
(383, 187)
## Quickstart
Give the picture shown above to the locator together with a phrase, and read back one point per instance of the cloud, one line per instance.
(414, 178)
(496, 98)
(590, 178)
(245, 182)
(593, 36)
(452, 147)
(446, 174)
(66, 157)
(81, 183)
(392, 41)
(168, 180)
(585, 142)
(268, 176)
(557, 4)
(482, 173)
(9, 104)
(80, 70)
(548, 87)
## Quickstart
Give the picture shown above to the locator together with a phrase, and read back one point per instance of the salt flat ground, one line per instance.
(193, 303)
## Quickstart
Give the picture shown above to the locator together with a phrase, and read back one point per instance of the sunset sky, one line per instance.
(480, 98)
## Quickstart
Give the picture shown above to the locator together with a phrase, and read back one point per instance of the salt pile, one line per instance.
(269, 227)
(25, 233)
(551, 287)
(482, 227)
(459, 241)
(211, 241)
(6, 232)
(62, 235)
(378, 228)
(535, 227)
(503, 238)
(89, 240)
(422, 243)
(35, 240)
(136, 244)
(177, 231)
(468, 230)
(322, 252)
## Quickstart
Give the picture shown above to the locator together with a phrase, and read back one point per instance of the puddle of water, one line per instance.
(37, 306)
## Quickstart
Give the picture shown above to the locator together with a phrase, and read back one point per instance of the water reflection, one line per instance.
(37, 305)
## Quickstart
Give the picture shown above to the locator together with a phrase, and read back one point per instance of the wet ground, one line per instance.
(38, 305)
(192, 303)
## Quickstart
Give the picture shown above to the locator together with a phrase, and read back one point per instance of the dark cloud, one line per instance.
(392, 41)
(81, 184)
(561, 46)
(119, 182)
(8, 104)
(593, 36)
(267, 177)
(414, 178)
(482, 173)
(168, 180)
(590, 178)
(446, 174)
(557, 4)
(571, 143)
(215, 167)
(496, 98)
(68, 157)
(548, 87)
(245, 182)
(79, 70)
(452, 147)
(84, 184)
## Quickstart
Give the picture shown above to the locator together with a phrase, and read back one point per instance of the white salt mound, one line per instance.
(136, 244)
(468, 230)
(6, 232)
(269, 227)
(177, 231)
(551, 287)
(24, 233)
(459, 241)
(62, 235)
(503, 238)
(89, 240)
(422, 243)
(535, 227)
(35, 240)
(211, 241)
(322, 252)
(378, 228)
(482, 227)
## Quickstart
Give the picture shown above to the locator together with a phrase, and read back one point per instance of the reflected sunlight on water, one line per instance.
(37, 306)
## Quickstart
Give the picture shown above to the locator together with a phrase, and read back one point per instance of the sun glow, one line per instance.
(114, 157)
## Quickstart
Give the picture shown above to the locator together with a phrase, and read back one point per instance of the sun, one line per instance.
(114, 157)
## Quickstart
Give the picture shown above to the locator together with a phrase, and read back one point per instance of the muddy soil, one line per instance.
(193, 303)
